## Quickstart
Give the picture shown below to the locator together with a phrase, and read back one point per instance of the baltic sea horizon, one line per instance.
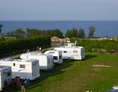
(103, 28)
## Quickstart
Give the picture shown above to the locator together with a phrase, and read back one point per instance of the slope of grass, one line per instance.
(80, 76)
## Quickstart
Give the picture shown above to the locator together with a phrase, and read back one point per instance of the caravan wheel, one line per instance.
(69, 58)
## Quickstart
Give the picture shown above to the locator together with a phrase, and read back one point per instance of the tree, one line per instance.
(57, 33)
(0, 29)
(91, 31)
(33, 32)
(18, 33)
(69, 33)
(81, 33)
(74, 32)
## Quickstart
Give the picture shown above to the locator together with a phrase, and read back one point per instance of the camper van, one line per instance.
(28, 69)
(57, 56)
(45, 60)
(72, 52)
(5, 76)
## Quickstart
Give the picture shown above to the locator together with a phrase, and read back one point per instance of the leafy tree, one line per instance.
(69, 33)
(57, 33)
(36, 32)
(74, 32)
(18, 33)
(0, 29)
(49, 33)
(91, 31)
(33, 32)
(81, 33)
(10, 34)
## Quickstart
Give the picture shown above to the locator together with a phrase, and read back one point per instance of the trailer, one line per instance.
(72, 52)
(5, 76)
(57, 56)
(28, 69)
(45, 61)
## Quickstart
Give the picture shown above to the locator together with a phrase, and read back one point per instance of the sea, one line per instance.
(103, 28)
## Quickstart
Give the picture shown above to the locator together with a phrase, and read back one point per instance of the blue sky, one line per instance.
(58, 10)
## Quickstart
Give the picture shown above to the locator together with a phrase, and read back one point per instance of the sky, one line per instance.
(58, 10)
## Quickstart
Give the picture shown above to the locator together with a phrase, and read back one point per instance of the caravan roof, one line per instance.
(45, 61)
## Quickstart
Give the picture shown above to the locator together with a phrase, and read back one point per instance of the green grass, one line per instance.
(79, 76)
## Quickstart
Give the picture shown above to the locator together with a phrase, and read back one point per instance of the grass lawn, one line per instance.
(97, 73)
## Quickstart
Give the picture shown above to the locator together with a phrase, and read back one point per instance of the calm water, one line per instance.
(103, 28)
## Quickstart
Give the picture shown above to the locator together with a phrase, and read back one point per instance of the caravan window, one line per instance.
(55, 57)
(75, 51)
(13, 64)
(22, 66)
(65, 51)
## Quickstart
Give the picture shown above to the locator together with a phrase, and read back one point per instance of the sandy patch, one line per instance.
(101, 66)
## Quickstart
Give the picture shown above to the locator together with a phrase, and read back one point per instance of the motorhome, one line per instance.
(57, 56)
(45, 60)
(5, 76)
(28, 69)
(72, 52)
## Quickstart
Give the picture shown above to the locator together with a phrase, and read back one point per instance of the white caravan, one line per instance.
(57, 56)
(5, 76)
(45, 61)
(72, 52)
(28, 69)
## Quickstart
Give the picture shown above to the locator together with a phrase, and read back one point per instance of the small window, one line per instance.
(75, 51)
(13, 64)
(55, 58)
(22, 66)
(65, 51)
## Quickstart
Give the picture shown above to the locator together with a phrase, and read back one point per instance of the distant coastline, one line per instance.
(103, 28)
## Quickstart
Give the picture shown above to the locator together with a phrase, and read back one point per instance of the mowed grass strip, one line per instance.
(97, 73)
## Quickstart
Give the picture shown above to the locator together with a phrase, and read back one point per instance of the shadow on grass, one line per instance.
(87, 57)
(58, 69)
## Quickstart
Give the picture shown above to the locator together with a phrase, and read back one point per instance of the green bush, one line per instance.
(20, 45)
(97, 45)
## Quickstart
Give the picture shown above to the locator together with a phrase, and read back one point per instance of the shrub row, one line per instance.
(20, 45)
(98, 45)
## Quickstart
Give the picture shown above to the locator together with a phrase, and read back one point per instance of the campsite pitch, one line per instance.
(96, 73)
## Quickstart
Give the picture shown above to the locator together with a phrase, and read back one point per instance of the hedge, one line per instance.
(20, 45)
(97, 45)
